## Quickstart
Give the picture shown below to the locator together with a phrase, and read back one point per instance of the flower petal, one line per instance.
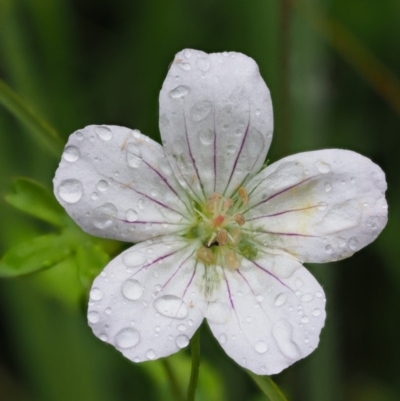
(117, 183)
(319, 206)
(274, 312)
(215, 120)
(146, 302)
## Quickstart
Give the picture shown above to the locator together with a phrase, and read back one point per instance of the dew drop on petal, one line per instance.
(305, 319)
(79, 135)
(133, 259)
(280, 299)
(132, 289)
(93, 316)
(353, 243)
(328, 187)
(323, 167)
(222, 339)
(71, 154)
(96, 294)
(182, 341)
(200, 110)
(131, 215)
(185, 66)
(127, 338)
(187, 53)
(171, 306)
(316, 312)
(102, 185)
(133, 155)
(150, 354)
(282, 332)
(70, 191)
(206, 136)
(103, 132)
(103, 337)
(261, 347)
(103, 216)
(307, 298)
(179, 92)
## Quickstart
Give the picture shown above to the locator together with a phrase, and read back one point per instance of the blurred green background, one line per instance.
(331, 66)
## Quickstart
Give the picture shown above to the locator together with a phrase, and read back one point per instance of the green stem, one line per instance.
(39, 128)
(175, 388)
(268, 387)
(194, 374)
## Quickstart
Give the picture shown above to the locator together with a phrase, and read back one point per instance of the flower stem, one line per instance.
(175, 388)
(268, 387)
(194, 374)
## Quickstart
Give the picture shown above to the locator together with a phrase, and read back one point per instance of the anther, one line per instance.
(217, 221)
(227, 204)
(222, 237)
(243, 195)
(231, 260)
(205, 255)
(239, 219)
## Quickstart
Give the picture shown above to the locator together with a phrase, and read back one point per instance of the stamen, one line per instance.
(227, 204)
(231, 260)
(235, 236)
(239, 219)
(243, 195)
(218, 220)
(205, 255)
(213, 236)
(222, 237)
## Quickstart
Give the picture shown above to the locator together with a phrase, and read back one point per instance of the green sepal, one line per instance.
(35, 199)
(34, 255)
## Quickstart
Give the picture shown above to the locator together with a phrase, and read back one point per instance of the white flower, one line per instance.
(218, 238)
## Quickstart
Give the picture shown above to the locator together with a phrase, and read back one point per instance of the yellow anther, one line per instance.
(235, 236)
(239, 219)
(227, 204)
(231, 260)
(222, 237)
(205, 255)
(243, 195)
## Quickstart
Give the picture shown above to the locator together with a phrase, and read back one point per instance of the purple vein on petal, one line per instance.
(150, 222)
(271, 274)
(229, 292)
(176, 271)
(288, 234)
(280, 213)
(190, 281)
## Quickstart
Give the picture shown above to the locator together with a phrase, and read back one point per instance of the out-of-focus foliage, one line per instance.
(66, 64)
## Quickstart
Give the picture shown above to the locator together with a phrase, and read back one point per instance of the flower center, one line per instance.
(221, 228)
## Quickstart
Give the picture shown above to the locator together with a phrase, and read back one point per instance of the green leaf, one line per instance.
(34, 255)
(35, 199)
(268, 387)
(90, 259)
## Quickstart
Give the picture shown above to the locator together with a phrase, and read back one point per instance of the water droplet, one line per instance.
(258, 112)
(328, 187)
(342, 242)
(305, 319)
(190, 322)
(103, 216)
(230, 149)
(94, 196)
(153, 193)
(127, 338)
(132, 289)
(261, 347)
(353, 243)
(108, 311)
(370, 224)
(133, 259)
(200, 110)
(322, 206)
(103, 132)
(318, 294)
(206, 136)
(323, 167)
(203, 64)
(282, 332)
(150, 354)
(171, 306)
(179, 92)
(79, 135)
(141, 203)
(103, 337)
(133, 155)
(307, 298)
(187, 53)
(222, 339)
(70, 191)
(71, 154)
(185, 66)
(93, 316)
(182, 341)
(96, 294)
(259, 298)
(102, 185)
(353, 180)
(328, 249)
(181, 327)
(316, 312)
(131, 215)
(280, 299)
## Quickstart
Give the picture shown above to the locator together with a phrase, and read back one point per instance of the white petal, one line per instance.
(274, 313)
(146, 302)
(215, 120)
(117, 183)
(319, 206)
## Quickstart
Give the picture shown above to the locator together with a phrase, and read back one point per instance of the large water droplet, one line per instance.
(93, 317)
(200, 110)
(182, 341)
(206, 136)
(179, 91)
(203, 64)
(70, 191)
(261, 347)
(171, 306)
(133, 259)
(96, 294)
(131, 215)
(103, 132)
(282, 332)
(133, 155)
(132, 289)
(71, 154)
(323, 167)
(280, 299)
(127, 338)
(102, 185)
(103, 216)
